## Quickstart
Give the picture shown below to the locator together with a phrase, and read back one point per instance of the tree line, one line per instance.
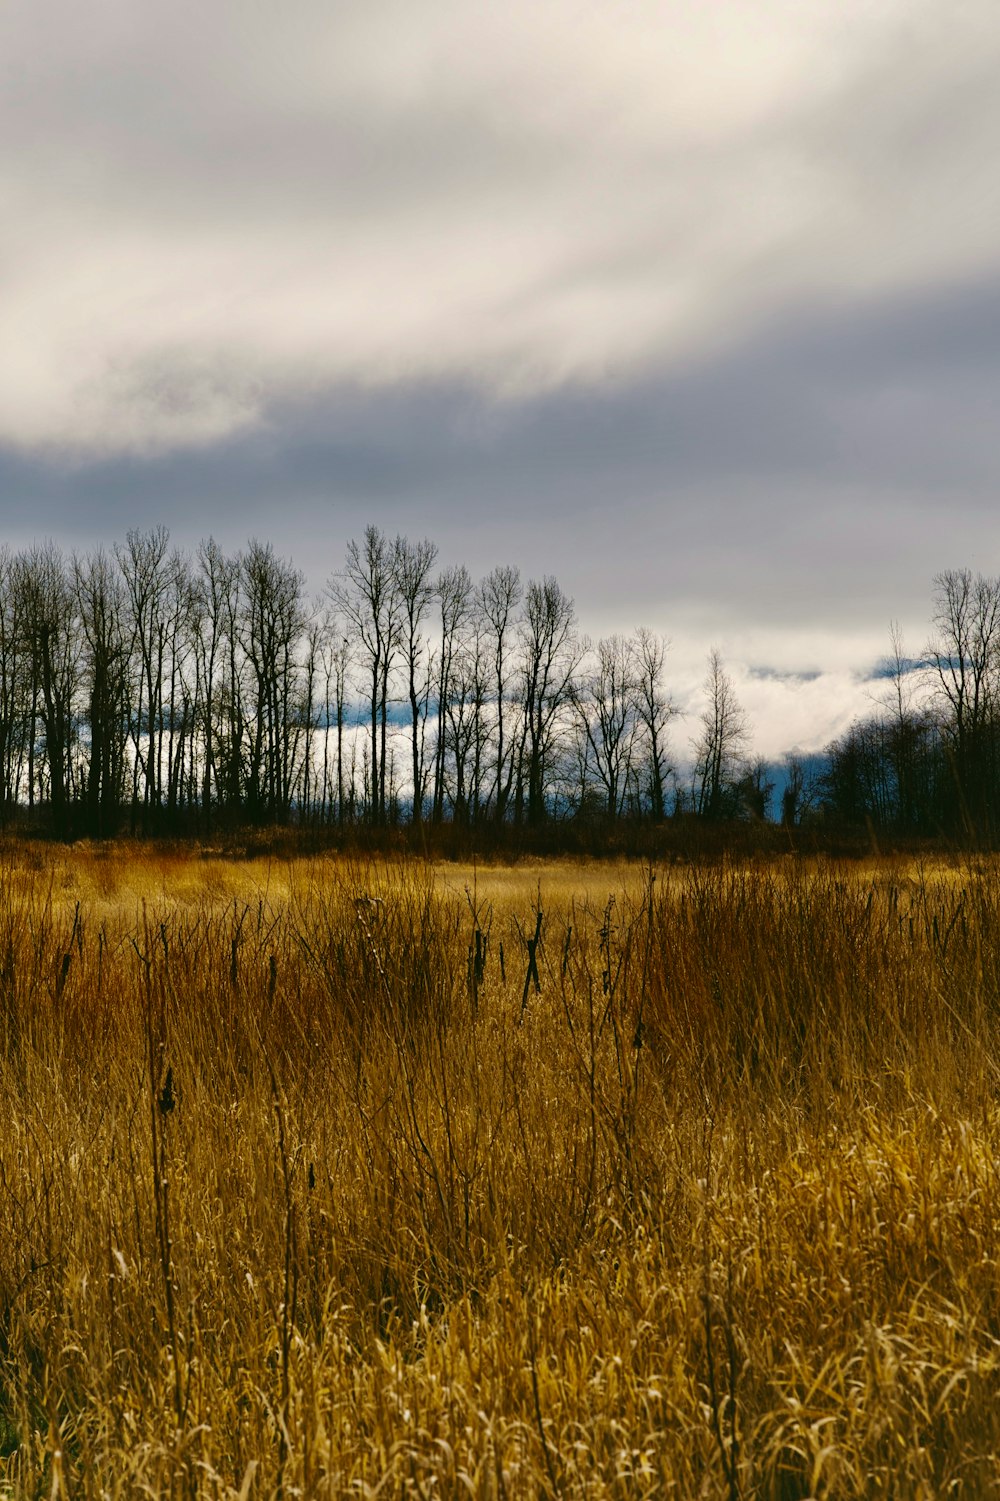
(926, 761)
(147, 689)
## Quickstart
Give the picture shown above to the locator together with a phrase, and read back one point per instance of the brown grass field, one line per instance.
(299, 1198)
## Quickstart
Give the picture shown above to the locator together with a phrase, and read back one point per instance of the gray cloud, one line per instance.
(827, 467)
(206, 215)
(698, 310)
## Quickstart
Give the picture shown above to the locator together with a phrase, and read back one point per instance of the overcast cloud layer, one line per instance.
(695, 305)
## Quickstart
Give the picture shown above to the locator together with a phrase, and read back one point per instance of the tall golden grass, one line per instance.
(306, 1191)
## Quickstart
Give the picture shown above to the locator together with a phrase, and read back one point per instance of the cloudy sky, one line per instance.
(695, 305)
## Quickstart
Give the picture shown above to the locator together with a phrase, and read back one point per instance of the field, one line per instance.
(312, 1185)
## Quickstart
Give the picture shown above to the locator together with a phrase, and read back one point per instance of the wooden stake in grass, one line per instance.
(67, 958)
(477, 968)
(167, 1097)
(532, 973)
(478, 948)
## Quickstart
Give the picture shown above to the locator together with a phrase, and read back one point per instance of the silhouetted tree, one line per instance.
(413, 562)
(799, 794)
(721, 747)
(455, 596)
(754, 789)
(465, 718)
(550, 653)
(16, 676)
(500, 594)
(144, 562)
(605, 697)
(46, 610)
(654, 710)
(214, 579)
(367, 595)
(273, 621)
(101, 610)
(965, 654)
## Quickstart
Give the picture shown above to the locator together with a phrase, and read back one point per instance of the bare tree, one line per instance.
(15, 686)
(605, 699)
(215, 580)
(337, 667)
(177, 719)
(550, 654)
(46, 608)
(907, 723)
(965, 655)
(500, 594)
(273, 621)
(754, 789)
(231, 751)
(100, 608)
(145, 568)
(455, 593)
(314, 715)
(655, 711)
(720, 750)
(367, 596)
(801, 791)
(413, 562)
(466, 724)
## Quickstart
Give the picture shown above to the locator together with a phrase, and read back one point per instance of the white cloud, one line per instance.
(206, 210)
(798, 690)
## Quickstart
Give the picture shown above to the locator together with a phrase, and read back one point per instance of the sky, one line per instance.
(695, 306)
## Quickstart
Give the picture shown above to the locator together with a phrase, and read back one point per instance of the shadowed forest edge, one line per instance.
(151, 692)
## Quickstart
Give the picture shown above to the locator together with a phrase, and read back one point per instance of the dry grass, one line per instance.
(295, 1200)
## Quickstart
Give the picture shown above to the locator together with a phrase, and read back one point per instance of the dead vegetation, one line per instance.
(308, 1190)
